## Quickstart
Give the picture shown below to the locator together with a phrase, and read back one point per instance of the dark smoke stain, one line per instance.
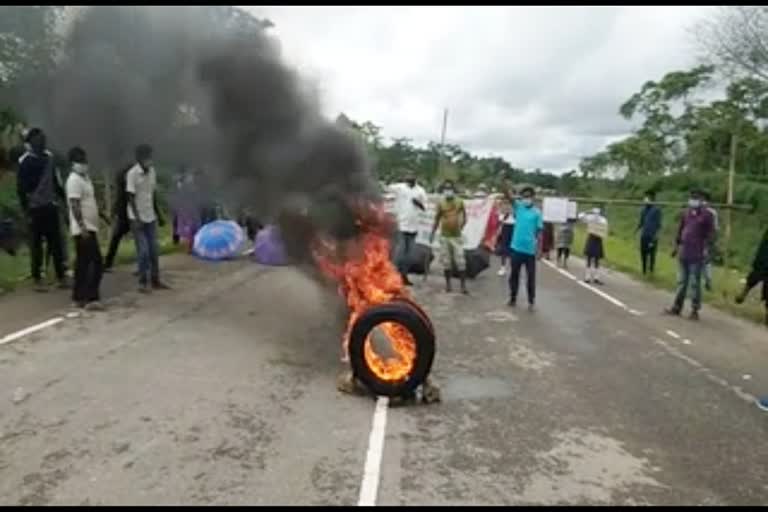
(260, 140)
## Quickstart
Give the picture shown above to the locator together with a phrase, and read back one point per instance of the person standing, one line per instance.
(187, 214)
(759, 273)
(649, 227)
(504, 238)
(564, 242)
(38, 190)
(141, 185)
(410, 201)
(525, 241)
(84, 226)
(121, 225)
(594, 250)
(694, 234)
(451, 217)
(547, 240)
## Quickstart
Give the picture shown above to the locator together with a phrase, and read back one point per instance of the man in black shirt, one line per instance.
(39, 191)
(121, 224)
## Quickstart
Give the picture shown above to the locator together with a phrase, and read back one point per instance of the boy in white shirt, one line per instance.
(84, 226)
(410, 201)
(140, 186)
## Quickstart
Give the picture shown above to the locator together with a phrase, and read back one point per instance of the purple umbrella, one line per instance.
(268, 248)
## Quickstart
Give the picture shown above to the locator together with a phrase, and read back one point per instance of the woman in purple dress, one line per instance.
(186, 207)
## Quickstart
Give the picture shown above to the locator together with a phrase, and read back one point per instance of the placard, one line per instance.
(555, 209)
(573, 210)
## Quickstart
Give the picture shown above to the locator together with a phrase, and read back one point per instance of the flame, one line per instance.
(366, 278)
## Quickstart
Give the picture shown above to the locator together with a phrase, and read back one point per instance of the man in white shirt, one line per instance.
(410, 201)
(84, 226)
(141, 185)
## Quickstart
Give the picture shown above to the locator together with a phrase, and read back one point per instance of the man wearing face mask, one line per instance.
(39, 191)
(410, 201)
(525, 239)
(451, 217)
(84, 226)
(141, 185)
(649, 227)
(694, 235)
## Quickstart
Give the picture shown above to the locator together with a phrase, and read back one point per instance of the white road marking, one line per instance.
(670, 349)
(29, 330)
(709, 374)
(369, 487)
(601, 293)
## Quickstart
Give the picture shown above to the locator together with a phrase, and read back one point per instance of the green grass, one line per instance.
(14, 269)
(623, 254)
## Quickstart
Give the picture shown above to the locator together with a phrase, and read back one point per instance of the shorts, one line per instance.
(452, 253)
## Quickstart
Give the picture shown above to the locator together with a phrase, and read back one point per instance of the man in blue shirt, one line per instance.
(649, 227)
(525, 241)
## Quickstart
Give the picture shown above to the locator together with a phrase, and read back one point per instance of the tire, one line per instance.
(411, 319)
(418, 309)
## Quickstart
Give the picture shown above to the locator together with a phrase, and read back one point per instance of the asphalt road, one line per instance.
(222, 391)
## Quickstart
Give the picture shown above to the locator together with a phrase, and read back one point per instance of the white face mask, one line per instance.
(694, 203)
(449, 193)
(80, 168)
(527, 201)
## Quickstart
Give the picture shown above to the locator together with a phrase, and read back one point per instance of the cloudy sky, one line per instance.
(540, 86)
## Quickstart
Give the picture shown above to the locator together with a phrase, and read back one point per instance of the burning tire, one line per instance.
(412, 343)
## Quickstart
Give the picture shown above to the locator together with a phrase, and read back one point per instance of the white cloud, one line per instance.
(540, 86)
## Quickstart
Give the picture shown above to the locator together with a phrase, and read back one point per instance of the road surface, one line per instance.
(222, 391)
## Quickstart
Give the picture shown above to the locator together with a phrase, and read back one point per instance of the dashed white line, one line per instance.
(709, 374)
(369, 487)
(673, 334)
(29, 330)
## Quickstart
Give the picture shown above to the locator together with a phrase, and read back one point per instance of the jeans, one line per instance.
(405, 243)
(519, 259)
(689, 271)
(648, 246)
(88, 269)
(145, 236)
(45, 224)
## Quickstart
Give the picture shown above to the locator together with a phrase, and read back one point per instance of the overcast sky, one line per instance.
(540, 86)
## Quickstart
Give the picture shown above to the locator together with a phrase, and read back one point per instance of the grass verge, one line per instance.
(624, 255)
(14, 270)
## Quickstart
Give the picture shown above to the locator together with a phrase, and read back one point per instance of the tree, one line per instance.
(735, 39)
(28, 40)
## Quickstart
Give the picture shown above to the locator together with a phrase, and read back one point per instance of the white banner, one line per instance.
(473, 232)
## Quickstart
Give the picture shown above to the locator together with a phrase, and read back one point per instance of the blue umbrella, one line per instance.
(218, 240)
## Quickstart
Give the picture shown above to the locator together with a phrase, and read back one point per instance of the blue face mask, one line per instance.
(528, 201)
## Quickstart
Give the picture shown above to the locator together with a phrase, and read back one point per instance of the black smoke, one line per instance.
(126, 75)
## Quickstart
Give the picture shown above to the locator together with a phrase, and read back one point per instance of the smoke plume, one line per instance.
(208, 88)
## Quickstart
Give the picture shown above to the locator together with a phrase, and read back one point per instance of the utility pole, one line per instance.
(442, 142)
(729, 198)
